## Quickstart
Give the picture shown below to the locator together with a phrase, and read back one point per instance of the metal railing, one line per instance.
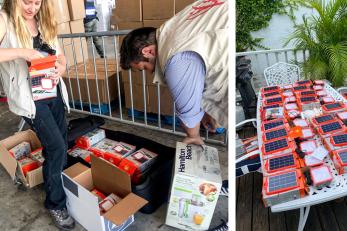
(265, 58)
(100, 87)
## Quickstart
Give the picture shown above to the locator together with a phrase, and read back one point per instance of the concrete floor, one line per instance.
(24, 210)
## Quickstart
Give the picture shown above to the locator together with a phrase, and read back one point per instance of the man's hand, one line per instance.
(193, 140)
(209, 123)
(193, 135)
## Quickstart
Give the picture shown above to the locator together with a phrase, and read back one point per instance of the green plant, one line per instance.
(325, 37)
(253, 15)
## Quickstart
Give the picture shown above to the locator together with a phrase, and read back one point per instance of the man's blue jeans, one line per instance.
(51, 129)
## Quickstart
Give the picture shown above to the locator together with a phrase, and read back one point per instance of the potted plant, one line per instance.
(324, 35)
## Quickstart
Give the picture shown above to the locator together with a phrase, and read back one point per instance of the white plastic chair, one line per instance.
(281, 74)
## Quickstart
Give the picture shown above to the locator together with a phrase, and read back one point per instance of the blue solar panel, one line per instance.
(331, 127)
(274, 124)
(281, 162)
(276, 134)
(271, 94)
(270, 88)
(343, 156)
(332, 105)
(282, 181)
(340, 139)
(307, 99)
(274, 145)
(323, 118)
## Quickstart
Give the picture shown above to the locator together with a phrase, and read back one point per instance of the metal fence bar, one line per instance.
(96, 75)
(106, 77)
(286, 56)
(131, 96)
(68, 73)
(76, 72)
(174, 117)
(158, 93)
(118, 81)
(144, 96)
(86, 76)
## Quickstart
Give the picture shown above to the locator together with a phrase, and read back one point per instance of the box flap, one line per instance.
(75, 170)
(85, 179)
(9, 162)
(125, 208)
(108, 178)
(35, 177)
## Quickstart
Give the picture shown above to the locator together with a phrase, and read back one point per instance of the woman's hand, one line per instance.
(29, 54)
(60, 68)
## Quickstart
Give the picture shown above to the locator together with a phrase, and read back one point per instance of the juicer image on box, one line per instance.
(195, 187)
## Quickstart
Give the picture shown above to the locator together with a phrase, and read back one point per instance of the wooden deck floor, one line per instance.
(251, 215)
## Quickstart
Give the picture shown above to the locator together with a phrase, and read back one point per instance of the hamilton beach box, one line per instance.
(195, 187)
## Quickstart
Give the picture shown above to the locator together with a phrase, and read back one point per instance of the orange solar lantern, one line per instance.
(295, 132)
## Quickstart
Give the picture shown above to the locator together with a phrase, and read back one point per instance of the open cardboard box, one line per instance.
(33, 177)
(79, 180)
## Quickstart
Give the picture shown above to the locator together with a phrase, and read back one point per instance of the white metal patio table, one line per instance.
(337, 188)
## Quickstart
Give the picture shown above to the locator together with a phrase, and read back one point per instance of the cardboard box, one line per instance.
(195, 187)
(153, 10)
(153, 23)
(64, 28)
(181, 4)
(166, 101)
(73, 53)
(61, 10)
(79, 180)
(77, 26)
(72, 82)
(76, 9)
(33, 177)
(136, 77)
(126, 26)
(128, 11)
(138, 101)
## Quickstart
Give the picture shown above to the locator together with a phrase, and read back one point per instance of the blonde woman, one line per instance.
(28, 31)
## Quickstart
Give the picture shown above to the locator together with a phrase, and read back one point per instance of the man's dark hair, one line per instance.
(133, 43)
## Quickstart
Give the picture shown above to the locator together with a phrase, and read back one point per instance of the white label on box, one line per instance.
(300, 122)
(321, 174)
(343, 115)
(307, 133)
(310, 160)
(291, 106)
(308, 146)
(320, 153)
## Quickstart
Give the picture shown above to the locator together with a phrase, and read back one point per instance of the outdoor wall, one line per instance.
(279, 28)
(274, 37)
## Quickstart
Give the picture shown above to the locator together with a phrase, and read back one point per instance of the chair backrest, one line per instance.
(281, 74)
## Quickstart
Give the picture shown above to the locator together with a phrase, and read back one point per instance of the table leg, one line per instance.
(303, 217)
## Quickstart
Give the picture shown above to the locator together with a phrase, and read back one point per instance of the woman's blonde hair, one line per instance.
(45, 18)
